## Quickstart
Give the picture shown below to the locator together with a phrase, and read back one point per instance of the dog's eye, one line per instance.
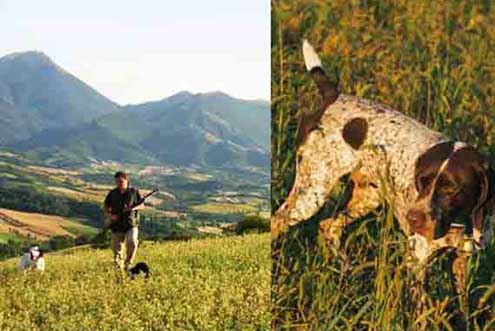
(447, 187)
(450, 189)
(425, 181)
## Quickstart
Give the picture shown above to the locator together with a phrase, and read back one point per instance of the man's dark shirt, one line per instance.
(117, 201)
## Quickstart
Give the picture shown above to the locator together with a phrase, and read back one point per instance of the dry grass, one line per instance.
(210, 230)
(78, 195)
(54, 171)
(42, 226)
(224, 208)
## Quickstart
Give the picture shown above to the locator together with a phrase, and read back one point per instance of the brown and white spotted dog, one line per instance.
(440, 190)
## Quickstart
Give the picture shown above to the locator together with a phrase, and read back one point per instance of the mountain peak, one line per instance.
(217, 93)
(41, 95)
(182, 94)
(30, 59)
(29, 55)
(187, 95)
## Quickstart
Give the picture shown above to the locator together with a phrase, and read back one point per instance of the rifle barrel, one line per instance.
(148, 195)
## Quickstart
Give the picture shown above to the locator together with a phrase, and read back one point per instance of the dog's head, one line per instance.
(455, 188)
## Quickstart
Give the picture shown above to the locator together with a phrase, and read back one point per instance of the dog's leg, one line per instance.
(321, 162)
(323, 156)
(365, 198)
(419, 297)
(460, 263)
(459, 268)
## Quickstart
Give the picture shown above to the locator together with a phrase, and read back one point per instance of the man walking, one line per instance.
(122, 205)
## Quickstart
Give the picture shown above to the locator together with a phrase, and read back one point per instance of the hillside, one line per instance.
(205, 128)
(211, 284)
(61, 121)
(209, 129)
(36, 94)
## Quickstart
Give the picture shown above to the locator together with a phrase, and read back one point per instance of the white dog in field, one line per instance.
(32, 260)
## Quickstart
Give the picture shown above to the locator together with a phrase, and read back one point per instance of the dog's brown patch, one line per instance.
(355, 131)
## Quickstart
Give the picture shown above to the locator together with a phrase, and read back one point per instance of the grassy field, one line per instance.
(5, 237)
(210, 284)
(224, 208)
(434, 61)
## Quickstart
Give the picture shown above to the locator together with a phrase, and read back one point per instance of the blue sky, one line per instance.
(137, 51)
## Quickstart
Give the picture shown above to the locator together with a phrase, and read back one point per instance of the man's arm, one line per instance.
(106, 205)
(107, 209)
(138, 198)
(109, 217)
(23, 263)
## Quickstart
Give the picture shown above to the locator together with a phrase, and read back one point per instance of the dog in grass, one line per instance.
(443, 191)
(141, 268)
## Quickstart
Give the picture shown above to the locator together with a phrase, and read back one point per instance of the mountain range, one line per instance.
(54, 117)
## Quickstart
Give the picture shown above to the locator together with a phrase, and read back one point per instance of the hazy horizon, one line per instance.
(138, 53)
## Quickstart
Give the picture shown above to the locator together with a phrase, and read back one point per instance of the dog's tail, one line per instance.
(328, 90)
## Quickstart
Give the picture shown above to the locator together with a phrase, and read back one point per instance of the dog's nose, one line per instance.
(416, 217)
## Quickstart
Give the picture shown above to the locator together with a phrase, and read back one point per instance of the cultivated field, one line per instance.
(434, 61)
(209, 284)
(39, 226)
(224, 208)
(188, 198)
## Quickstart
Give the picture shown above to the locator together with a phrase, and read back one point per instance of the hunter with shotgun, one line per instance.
(122, 206)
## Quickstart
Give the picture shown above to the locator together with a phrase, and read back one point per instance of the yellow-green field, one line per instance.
(210, 284)
(224, 208)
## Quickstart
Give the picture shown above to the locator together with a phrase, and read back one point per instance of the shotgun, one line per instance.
(128, 208)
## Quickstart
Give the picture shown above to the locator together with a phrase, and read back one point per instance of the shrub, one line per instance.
(253, 223)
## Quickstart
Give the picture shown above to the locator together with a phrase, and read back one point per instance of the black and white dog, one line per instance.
(139, 268)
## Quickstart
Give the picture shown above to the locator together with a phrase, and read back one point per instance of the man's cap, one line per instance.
(34, 251)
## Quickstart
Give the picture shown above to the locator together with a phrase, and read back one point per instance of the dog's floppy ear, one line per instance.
(487, 177)
(486, 202)
(490, 196)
